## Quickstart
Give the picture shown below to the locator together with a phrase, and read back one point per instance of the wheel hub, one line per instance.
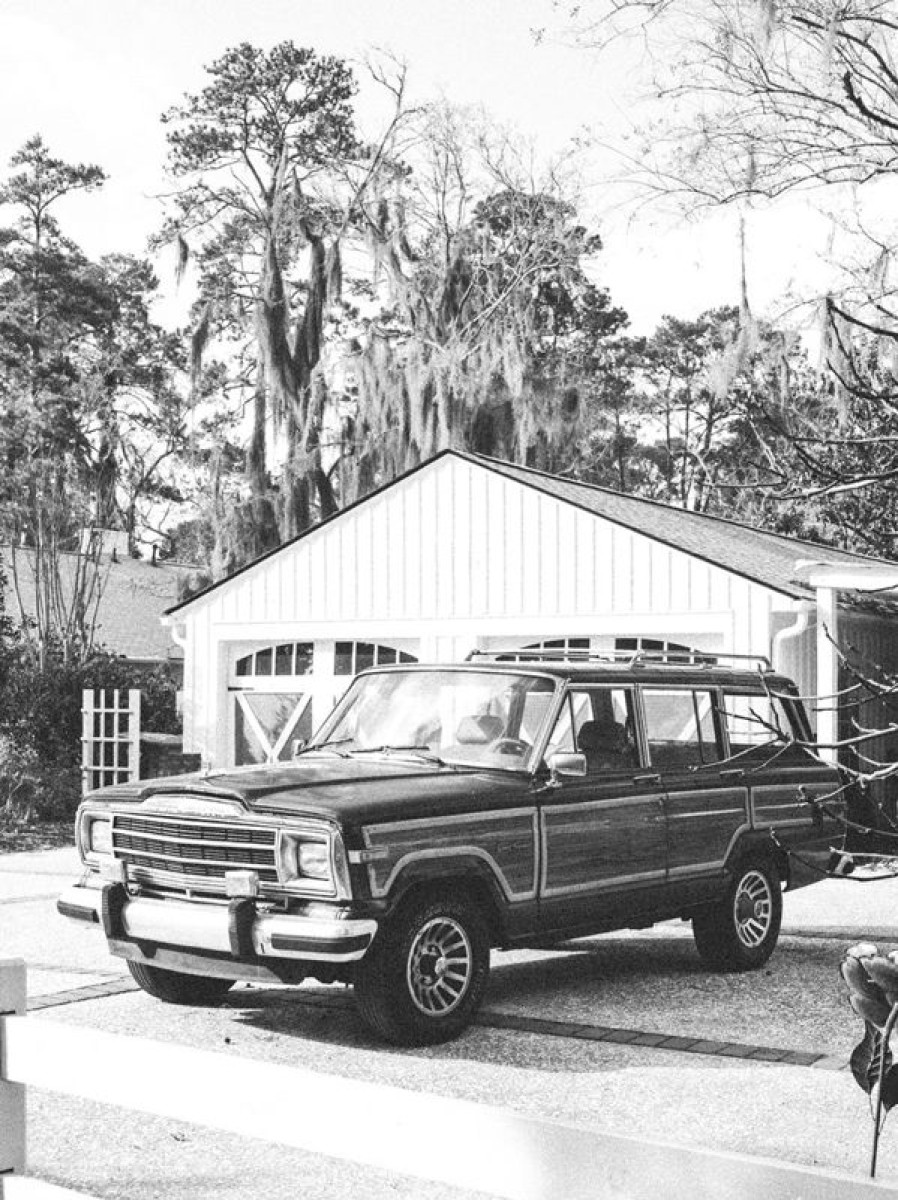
(431, 966)
(753, 909)
(440, 966)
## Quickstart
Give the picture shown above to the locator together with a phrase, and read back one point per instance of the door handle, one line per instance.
(732, 773)
(652, 777)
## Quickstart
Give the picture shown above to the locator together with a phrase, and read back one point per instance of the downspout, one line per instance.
(796, 629)
(178, 631)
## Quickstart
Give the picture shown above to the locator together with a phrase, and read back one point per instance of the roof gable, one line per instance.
(756, 554)
(765, 558)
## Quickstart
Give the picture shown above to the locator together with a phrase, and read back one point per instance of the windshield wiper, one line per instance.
(421, 751)
(329, 745)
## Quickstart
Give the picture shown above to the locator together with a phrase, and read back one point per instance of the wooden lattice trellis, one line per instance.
(110, 738)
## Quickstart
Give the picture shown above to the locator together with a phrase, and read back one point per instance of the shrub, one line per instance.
(40, 726)
(19, 777)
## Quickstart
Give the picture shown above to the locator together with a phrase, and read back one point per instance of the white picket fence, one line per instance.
(495, 1151)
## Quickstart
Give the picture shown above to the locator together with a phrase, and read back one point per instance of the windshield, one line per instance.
(489, 719)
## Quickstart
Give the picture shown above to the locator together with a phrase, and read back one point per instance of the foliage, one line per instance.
(254, 155)
(485, 317)
(40, 726)
(753, 101)
(89, 411)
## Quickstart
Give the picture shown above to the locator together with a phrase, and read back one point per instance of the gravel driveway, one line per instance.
(645, 984)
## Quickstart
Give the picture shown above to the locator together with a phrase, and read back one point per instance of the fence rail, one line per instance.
(497, 1152)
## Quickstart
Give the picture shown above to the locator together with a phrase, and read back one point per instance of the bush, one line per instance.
(19, 772)
(40, 726)
(31, 792)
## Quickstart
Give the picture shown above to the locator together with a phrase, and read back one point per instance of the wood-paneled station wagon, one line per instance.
(512, 800)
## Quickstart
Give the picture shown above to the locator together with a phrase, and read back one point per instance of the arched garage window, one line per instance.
(352, 657)
(564, 646)
(289, 658)
(667, 651)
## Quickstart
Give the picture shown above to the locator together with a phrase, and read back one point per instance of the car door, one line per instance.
(768, 740)
(603, 843)
(706, 795)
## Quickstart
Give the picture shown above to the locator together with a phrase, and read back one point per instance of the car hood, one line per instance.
(348, 790)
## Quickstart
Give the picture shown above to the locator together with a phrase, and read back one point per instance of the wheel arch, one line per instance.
(759, 845)
(466, 876)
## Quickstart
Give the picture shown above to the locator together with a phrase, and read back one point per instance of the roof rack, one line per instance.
(673, 658)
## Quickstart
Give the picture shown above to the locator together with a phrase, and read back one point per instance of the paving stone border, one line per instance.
(541, 1026)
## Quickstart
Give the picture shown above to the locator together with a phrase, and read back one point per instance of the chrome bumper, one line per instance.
(211, 927)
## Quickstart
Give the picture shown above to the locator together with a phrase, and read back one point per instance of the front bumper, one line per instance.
(241, 929)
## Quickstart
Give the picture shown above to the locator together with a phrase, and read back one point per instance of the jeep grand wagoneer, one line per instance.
(441, 811)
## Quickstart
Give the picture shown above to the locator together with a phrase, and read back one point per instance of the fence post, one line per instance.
(12, 1095)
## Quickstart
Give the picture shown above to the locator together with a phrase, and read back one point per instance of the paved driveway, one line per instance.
(625, 1032)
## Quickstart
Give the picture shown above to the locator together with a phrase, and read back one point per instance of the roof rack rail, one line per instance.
(673, 658)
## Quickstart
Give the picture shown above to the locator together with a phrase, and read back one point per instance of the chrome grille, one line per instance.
(172, 850)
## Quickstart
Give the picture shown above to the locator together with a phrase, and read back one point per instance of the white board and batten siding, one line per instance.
(455, 557)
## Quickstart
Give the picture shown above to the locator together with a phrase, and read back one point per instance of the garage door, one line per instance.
(281, 692)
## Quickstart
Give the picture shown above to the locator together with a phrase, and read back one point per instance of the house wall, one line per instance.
(452, 557)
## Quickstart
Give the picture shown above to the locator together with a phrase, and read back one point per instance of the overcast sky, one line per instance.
(93, 77)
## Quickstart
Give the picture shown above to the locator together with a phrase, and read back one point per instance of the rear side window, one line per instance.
(763, 727)
(681, 727)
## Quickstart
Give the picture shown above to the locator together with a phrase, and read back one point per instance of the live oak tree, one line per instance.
(484, 306)
(462, 284)
(255, 157)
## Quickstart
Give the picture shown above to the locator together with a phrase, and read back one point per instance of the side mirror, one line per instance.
(561, 764)
(299, 744)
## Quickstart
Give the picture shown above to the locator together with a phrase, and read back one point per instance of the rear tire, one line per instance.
(425, 974)
(739, 932)
(176, 987)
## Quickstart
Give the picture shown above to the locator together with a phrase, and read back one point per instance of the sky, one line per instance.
(93, 76)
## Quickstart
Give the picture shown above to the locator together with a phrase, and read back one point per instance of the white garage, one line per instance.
(467, 553)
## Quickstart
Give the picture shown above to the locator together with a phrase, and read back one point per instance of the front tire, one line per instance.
(739, 932)
(176, 987)
(424, 977)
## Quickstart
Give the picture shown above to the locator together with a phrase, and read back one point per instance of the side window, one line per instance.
(598, 723)
(762, 727)
(680, 727)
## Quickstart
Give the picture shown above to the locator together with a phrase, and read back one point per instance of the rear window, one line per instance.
(763, 727)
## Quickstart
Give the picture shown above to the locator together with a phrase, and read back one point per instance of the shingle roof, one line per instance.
(135, 595)
(766, 558)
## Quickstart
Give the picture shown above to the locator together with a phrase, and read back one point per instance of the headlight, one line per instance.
(303, 856)
(313, 859)
(96, 834)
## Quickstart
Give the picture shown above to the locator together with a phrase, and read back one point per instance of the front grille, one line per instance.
(173, 851)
